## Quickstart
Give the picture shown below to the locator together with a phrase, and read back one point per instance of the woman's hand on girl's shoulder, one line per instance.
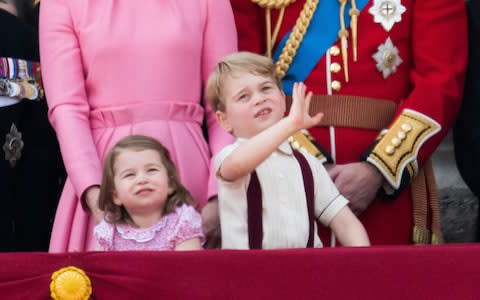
(91, 198)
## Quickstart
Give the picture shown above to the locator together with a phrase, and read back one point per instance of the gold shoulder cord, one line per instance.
(343, 35)
(290, 49)
(354, 13)
(296, 37)
(269, 5)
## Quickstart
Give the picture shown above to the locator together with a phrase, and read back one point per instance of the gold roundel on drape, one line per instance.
(70, 283)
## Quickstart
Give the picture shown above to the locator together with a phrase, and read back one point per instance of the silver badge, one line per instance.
(13, 145)
(387, 12)
(387, 58)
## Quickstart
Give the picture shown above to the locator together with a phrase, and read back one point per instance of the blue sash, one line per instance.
(321, 34)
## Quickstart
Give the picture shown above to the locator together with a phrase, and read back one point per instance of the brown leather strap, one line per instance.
(255, 204)
(309, 194)
(352, 111)
(254, 212)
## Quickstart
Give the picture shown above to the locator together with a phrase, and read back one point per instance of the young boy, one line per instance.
(269, 195)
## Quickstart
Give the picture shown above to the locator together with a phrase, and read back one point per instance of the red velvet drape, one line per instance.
(407, 272)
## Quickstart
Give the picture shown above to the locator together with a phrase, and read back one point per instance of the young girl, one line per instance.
(146, 207)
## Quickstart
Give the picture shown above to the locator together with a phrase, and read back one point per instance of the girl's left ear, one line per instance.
(170, 190)
(171, 182)
(115, 199)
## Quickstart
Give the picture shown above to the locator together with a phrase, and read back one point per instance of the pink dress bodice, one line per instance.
(171, 230)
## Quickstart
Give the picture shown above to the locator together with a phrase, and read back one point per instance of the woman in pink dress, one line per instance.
(114, 68)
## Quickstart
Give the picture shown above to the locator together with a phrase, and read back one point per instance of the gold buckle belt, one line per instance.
(352, 111)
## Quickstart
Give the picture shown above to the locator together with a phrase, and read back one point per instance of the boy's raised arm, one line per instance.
(249, 154)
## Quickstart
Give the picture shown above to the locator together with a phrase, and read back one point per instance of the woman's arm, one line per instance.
(63, 76)
(220, 39)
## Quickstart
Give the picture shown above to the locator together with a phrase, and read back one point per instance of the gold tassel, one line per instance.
(343, 35)
(269, 5)
(421, 235)
(354, 13)
(268, 26)
(277, 25)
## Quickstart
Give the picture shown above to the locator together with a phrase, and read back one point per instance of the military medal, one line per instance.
(13, 146)
(387, 12)
(387, 58)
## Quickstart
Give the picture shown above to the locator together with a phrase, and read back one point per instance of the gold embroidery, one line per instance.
(303, 141)
(398, 149)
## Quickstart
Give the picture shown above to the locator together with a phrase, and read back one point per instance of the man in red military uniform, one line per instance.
(389, 76)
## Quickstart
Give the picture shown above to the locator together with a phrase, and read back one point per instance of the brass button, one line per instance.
(334, 50)
(389, 149)
(401, 135)
(406, 127)
(396, 141)
(336, 85)
(335, 67)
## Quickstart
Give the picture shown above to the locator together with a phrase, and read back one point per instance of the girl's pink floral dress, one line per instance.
(171, 230)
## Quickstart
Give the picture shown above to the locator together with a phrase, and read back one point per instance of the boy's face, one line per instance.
(252, 104)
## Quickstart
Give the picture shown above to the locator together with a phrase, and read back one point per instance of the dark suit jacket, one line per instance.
(29, 191)
(467, 129)
(17, 38)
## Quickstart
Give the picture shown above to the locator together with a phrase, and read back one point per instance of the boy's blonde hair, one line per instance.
(234, 63)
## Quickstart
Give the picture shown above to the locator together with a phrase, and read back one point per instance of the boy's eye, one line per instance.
(266, 88)
(128, 175)
(152, 170)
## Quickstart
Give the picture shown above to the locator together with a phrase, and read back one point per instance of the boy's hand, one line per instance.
(299, 111)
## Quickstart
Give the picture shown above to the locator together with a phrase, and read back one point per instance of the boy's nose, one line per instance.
(259, 99)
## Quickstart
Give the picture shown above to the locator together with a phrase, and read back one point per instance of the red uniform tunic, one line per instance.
(432, 45)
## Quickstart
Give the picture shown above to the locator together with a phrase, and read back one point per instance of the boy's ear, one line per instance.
(285, 100)
(223, 120)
